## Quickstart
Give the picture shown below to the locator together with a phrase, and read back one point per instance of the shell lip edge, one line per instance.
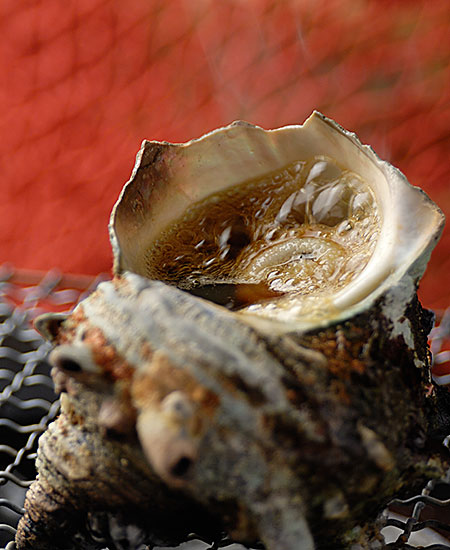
(415, 264)
(146, 145)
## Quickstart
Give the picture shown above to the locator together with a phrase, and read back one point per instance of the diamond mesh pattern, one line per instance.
(27, 400)
(86, 81)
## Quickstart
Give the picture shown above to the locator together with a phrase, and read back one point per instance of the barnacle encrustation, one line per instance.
(259, 362)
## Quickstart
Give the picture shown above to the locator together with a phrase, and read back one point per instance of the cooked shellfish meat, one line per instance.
(306, 230)
(301, 226)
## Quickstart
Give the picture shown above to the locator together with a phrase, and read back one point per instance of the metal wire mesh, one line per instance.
(28, 403)
(87, 80)
(27, 400)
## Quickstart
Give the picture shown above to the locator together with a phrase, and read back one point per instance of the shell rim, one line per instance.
(413, 269)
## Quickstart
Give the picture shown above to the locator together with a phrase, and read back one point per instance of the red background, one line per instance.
(84, 81)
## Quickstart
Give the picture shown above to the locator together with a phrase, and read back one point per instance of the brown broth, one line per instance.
(306, 229)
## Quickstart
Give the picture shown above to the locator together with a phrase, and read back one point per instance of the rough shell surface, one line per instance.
(199, 421)
(181, 416)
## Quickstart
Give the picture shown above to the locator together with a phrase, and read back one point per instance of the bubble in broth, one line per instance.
(296, 231)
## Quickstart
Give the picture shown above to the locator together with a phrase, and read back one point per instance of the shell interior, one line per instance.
(302, 225)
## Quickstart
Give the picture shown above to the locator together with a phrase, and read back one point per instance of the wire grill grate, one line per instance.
(28, 404)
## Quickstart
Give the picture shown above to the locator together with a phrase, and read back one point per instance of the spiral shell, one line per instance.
(261, 336)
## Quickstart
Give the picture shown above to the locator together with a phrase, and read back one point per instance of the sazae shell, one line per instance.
(259, 362)
(309, 201)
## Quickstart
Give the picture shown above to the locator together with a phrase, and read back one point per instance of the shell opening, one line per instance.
(181, 468)
(306, 231)
(73, 359)
(301, 225)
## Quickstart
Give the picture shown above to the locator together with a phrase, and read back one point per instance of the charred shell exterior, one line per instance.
(248, 418)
